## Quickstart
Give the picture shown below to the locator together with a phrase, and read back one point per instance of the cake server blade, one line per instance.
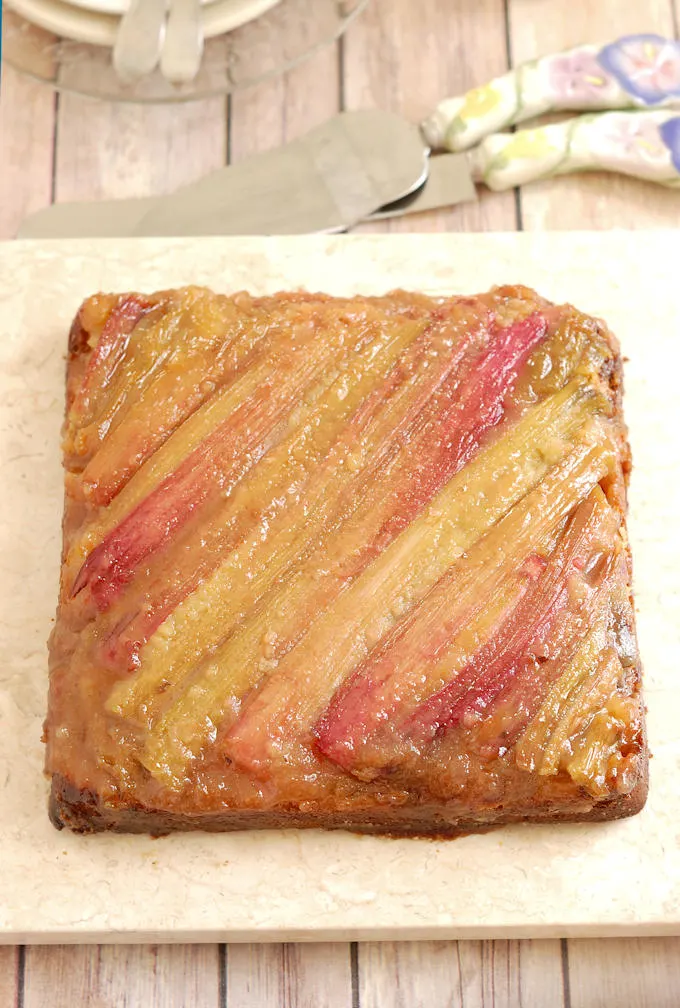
(328, 180)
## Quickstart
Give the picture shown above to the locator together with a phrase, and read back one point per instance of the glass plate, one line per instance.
(277, 41)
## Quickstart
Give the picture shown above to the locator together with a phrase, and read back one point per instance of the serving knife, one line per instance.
(367, 164)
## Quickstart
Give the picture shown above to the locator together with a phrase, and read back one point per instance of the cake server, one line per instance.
(327, 180)
(366, 164)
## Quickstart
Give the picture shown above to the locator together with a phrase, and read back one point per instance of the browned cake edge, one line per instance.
(82, 811)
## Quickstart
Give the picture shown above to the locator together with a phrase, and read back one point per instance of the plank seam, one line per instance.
(288, 976)
(460, 975)
(228, 140)
(566, 986)
(354, 972)
(518, 210)
(519, 223)
(55, 143)
(284, 108)
(21, 973)
(222, 953)
(341, 73)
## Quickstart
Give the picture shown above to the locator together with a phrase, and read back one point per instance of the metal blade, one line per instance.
(105, 219)
(449, 181)
(325, 181)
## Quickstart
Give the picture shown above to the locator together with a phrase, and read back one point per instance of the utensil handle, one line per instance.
(636, 71)
(645, 145)
(183, 45)
(139, 39)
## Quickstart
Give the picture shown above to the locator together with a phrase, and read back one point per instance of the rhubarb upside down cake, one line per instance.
(352, 563)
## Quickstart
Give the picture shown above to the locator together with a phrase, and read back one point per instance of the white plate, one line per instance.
(74, 22)
(73, 55)
(116, 7)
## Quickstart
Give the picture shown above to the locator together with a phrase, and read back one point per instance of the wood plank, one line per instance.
(628, 973)
(108, 976)
(106, 150)
(466, 974)
(541, 974)
(279, 110)
(26, 140)
(406, 56)
(597, 200)
(289, 976)
(9, 975)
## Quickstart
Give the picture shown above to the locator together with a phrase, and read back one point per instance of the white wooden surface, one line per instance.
(304, 976)
(402, 54)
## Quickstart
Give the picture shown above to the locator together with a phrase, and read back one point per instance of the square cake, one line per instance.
(351, 563)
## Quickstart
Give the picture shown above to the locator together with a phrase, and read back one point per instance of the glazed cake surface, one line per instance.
(352, 563)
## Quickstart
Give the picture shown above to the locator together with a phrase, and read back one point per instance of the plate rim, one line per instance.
(75, 22)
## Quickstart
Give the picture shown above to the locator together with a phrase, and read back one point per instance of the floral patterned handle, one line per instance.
(637, 71)
(645, 145)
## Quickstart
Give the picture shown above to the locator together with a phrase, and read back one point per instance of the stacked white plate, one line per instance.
(96, 21)
(247, 42)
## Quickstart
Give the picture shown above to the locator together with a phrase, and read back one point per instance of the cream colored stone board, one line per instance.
(523, 881)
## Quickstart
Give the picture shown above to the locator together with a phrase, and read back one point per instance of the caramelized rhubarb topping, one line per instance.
(312, 539)
(585, 726)
(530, 633)
(456, 647)
(292, 698)
(324, 438)
(217, 464)
(212, 347)
(105, 357)
(205, 342)
(289, 533)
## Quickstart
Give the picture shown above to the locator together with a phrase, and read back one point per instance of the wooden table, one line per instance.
(402, 55)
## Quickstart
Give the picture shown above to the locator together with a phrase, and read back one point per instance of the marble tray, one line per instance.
(527, 881)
